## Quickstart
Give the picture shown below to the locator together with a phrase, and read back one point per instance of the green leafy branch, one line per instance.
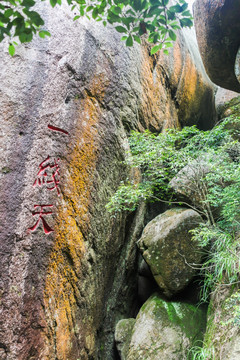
(158, 19)
(134, 18)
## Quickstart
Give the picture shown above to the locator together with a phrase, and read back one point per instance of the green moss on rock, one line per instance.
(165, 330)
(223, 325)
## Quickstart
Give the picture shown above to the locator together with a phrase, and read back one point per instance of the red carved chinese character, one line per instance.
(47, 229)
(48, 174)
(55, 128)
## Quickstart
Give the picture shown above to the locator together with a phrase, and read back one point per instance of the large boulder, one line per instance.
(169, 250)
(218, 34)
(67, 104)
(162, 330)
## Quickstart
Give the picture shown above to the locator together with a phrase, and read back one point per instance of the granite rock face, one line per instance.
(167, 247)
(218, 34)
(67, 104)
(163, 330)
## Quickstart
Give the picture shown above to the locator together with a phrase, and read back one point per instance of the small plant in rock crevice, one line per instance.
(201, 353)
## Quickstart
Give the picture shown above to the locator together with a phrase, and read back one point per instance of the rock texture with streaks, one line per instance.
(218, 33)
(67, 105)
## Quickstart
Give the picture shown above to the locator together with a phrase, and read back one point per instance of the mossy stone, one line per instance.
(166, 330)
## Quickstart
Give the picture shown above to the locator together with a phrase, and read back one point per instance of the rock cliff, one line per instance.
(67, 105)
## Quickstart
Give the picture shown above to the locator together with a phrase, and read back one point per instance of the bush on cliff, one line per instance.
(160, 158)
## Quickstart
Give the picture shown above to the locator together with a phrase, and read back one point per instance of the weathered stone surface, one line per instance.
(165, 330)
(187, 183)
(167, 247)
(218, 34)
(123, 335)
(222, 338)
(62, 292)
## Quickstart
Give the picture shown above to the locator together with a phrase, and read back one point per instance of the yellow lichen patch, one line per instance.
(64, 269)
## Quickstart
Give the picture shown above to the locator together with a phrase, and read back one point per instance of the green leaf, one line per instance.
(172, 35)
(124, 38)
(168, 44)
(116, 10)
(187, 13)
(171, 15)
(89, 8)
(186, 22)
(156, 48)
(34, 17)
(11, 49)
(184, 6)
(137, 39)
(95, 13)
(175, 9)
(129, 41)
(28, 3)
(127, 21)
(76, 17)
(44, 33)
(121, 29)
(8, 13)
(26, 36)
(53, 3)
(82, 10)
(112, 18)
(154, 10)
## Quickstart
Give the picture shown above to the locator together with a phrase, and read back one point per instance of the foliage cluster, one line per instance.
(160, 19)
(160, 157)
(201, 353)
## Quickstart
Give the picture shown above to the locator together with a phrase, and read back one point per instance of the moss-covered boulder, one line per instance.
(164, 330)
(222, 337)
(169, 250)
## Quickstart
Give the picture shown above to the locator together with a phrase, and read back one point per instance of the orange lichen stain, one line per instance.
(188, 95)
(177, 63)
(64, 269)
(99, 84)
(157, 105)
